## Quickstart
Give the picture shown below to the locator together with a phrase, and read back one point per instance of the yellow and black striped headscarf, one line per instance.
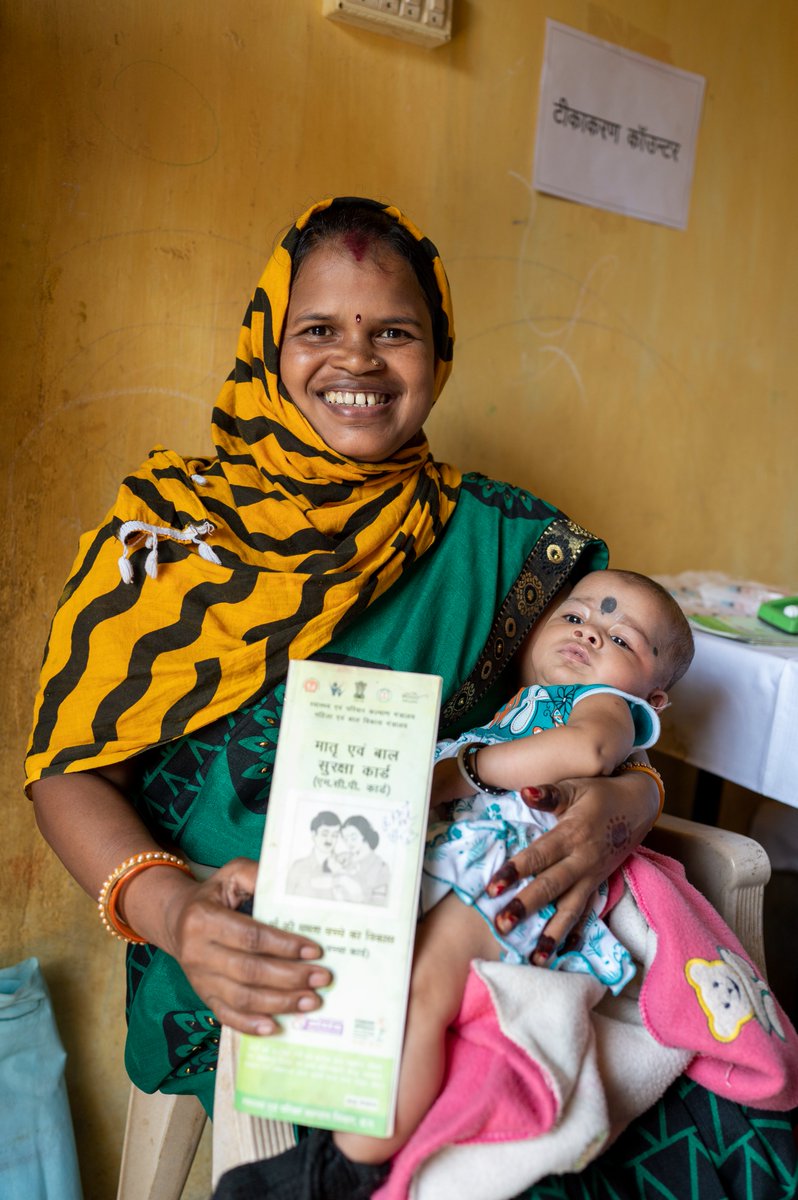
(208, 575)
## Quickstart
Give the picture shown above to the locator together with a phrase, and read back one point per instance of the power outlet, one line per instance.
(425, 22)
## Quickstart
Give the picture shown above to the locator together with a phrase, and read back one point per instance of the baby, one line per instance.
(597, 671)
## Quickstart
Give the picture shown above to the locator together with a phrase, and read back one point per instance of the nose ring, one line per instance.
(375, 362)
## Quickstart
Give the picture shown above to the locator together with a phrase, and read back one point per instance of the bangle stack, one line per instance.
(630, 765)
(467, 766)
(108, 899)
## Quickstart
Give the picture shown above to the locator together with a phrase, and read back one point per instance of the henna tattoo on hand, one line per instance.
(619, 835)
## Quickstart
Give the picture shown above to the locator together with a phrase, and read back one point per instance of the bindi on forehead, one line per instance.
(609, 604)
(357, 244)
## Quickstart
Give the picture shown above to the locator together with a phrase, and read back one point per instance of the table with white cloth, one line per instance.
(734, 716)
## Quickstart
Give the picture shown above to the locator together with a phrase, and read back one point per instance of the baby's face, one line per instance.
(607, 631)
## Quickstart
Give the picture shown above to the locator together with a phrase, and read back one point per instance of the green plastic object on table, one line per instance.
(782, 613)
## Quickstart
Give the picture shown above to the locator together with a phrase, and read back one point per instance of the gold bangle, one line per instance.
(655, 775)
(108, 899)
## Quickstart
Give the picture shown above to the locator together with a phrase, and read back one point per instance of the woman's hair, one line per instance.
(678, 651)
(366, 831)
(361, 224)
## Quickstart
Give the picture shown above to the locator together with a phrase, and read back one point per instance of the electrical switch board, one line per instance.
(425, 22)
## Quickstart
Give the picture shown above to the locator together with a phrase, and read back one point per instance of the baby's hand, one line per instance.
(447, 785)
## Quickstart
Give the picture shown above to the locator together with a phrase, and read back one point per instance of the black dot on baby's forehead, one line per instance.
(656, 651)
(609, 604)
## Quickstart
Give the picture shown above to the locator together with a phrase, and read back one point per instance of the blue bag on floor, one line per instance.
(37, 1145)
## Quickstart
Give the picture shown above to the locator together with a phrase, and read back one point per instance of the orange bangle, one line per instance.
(655, 775)
(108, 899)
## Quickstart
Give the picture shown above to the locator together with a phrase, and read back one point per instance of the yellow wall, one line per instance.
(642, 378)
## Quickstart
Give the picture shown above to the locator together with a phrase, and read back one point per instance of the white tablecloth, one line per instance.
(735, 713)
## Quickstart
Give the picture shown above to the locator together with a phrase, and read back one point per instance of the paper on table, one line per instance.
(616, 130)
(743, 629)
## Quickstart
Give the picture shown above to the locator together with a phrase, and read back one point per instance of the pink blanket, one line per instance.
(701, 994)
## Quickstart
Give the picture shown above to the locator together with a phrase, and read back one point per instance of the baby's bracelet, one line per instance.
(466, 765)
(108, 899)
(631, 765)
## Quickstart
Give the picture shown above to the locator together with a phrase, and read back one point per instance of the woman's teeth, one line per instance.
(360, 399)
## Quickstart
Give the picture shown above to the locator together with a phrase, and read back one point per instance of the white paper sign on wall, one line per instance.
(616, 130)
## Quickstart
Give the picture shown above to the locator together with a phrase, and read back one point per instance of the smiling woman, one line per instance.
(322, 526)
(357, 354)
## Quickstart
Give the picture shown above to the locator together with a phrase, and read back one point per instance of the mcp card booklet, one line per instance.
(341, 864)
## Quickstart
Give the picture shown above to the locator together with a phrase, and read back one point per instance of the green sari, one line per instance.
(461, 612)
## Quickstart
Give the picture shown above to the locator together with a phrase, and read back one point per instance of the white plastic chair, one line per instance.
(161, 1138)
(731, 870)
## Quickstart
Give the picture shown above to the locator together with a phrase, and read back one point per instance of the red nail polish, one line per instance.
(504, 878)
(544, 798)
(509, 917)
(545, 947)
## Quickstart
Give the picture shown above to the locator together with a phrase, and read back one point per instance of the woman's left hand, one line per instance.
(601, 821)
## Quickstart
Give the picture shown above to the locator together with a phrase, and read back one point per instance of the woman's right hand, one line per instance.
(245, 971)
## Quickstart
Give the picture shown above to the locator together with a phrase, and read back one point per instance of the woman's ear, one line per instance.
(658, 699)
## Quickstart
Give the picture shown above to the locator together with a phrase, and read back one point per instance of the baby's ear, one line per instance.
(658, 700)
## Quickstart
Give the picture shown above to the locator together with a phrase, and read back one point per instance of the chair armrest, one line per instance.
(730, 869)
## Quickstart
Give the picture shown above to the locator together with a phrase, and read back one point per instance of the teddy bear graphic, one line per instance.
(731, 993)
